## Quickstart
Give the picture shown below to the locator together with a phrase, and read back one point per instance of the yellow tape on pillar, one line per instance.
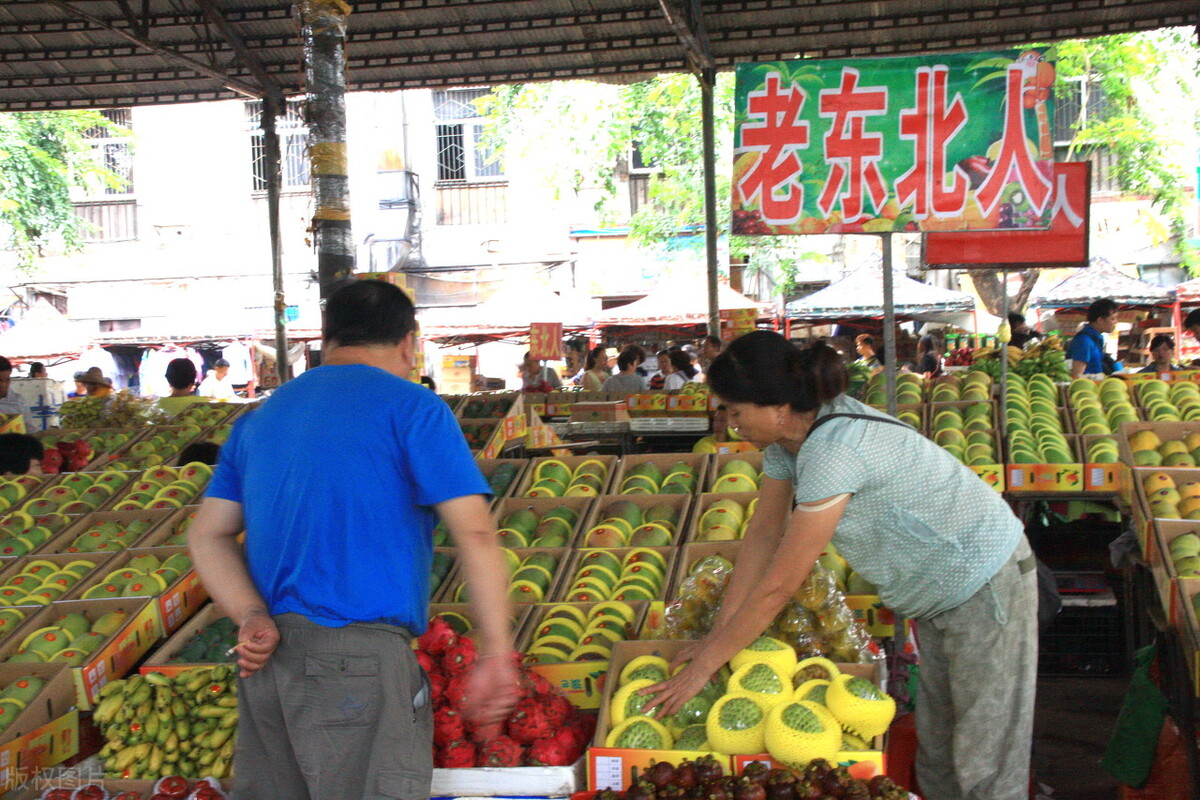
(329, 158)
(325, 212)
(337, 6)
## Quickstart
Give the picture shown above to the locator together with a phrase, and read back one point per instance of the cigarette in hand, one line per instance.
(235, 648)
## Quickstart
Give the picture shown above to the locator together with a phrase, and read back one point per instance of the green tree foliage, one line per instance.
(580, 135)
(1150, 81)
(43, 155)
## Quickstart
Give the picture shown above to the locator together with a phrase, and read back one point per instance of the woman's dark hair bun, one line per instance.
(764, 368)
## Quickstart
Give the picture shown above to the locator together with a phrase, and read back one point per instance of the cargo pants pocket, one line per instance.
(343, 689)
(406, 774)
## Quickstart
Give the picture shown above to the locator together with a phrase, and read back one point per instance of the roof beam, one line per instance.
(198, 66)
(687, 20)
(248, 57)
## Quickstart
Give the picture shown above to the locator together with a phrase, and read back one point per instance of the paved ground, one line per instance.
(1075, 718)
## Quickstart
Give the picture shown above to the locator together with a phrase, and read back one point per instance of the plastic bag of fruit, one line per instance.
(817, 621)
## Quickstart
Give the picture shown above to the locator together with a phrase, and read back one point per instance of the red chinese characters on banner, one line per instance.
(775, 132)
(545, 340)
(853, 154)
(1014, 162)
(930, 126)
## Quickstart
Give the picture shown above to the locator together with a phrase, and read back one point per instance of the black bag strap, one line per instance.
(887, 420)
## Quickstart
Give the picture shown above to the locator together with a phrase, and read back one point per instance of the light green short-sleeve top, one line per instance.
(919, 525)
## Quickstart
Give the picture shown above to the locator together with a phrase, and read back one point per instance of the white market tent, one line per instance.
(1101, 279)
(44, 334)
(859, 295)
(678, 301)
(507, 314)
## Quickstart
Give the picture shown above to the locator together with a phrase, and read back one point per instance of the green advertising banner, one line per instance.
(926, 143)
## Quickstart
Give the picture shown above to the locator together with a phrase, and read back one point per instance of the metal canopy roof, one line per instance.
(101, 53)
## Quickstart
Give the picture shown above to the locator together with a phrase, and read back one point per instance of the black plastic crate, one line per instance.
(1084, 640)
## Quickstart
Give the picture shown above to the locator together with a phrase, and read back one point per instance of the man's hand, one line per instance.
(257, 639)
(493, 687)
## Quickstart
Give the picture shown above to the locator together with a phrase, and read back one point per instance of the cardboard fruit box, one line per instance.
(1166, 431)
(754, 459)
(160, 659)
(1162, 567)
(582, 506)
(692, 553)
(176, 604)
(581, 681)
(610, 767)
(46, 731)
(664, 461)
(1100, 477)
(584, 558)
(704, 502)
(1046, 478)
(462, 613)
(172, 532)
(682, 504)
(66, 539)
(488, 467)
(115, 656)
(572, 463)
(456, 586)
(1141, 502)
(17, 566)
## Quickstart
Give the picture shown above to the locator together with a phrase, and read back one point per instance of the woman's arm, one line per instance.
(808, 532)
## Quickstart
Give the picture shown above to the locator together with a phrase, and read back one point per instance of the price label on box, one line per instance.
(609, 773)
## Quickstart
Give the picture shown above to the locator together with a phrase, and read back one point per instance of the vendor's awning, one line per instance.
(508, 313)
(43, 333)
(679, 301)
(860, 295)
(1099, 280)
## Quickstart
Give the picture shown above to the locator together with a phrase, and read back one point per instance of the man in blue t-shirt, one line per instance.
(338, 481)
(1086, 350)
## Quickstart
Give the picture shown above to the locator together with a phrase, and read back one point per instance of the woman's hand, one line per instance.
(670, 695)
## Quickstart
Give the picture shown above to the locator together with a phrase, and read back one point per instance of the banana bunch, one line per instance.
(1043, 358)
(157, 726)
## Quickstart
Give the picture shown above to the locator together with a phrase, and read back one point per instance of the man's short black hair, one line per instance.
(1104, 307)
(628, 358)
(1015, 318)
(1192, 320)
(17, 452)
(5, 364)
(201, 452)
(368, 312)
(181, 373)
(715, 341)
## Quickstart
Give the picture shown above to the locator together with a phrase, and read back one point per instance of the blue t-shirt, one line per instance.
(919, 525)
(337, 474)
(1088, 346)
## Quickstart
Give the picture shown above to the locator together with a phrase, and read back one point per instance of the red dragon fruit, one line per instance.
(580, 726)
(558, 708)
(459, 753)
(460, 657)
(530, 720)
(437, 687)
(448, 726)
(427, 662)
(533, 684)
(501, 752)
(455, 692)
(549, 752)
(438, 637)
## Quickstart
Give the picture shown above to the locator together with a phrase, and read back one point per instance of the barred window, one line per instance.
(113, 149)
(461, 155)
(293, 147)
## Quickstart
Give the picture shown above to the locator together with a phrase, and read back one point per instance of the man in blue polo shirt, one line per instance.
(338, 481)
(1086, 350)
